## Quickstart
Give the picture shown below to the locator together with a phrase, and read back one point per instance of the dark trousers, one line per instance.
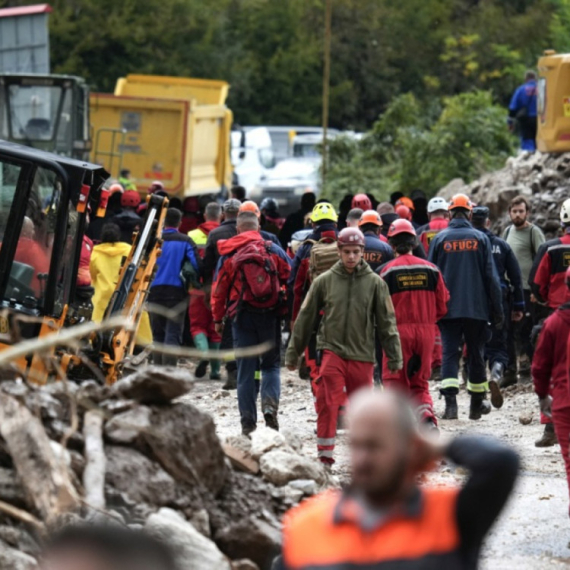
(168, 329)
(520, 338)
(251, 329)
(497, 349)
(228, 344)
(475, 334)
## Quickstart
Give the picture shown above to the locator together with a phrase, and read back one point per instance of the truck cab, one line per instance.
(46, 112)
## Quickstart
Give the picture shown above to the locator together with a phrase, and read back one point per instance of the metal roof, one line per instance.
(25, 10)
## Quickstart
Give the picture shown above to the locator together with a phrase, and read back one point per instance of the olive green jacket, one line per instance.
(355, 306)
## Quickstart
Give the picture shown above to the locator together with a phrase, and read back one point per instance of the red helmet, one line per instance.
(350, 236)
(401, 227)
(156, 186)
(362, 201)
(250, 206)
(404, 212)
(130, 199)
(567, 278)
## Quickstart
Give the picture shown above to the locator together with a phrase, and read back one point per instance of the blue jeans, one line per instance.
(167, 330)
(250, 329)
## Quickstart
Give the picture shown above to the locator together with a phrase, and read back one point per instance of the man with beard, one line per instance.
(383, 519)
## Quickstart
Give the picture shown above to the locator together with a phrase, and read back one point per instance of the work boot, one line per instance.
(436, 374)
(524, 366)
(496, 375)
(548, 438)
(450, 408)
(479, 407)
(248, 430)
(509, 379)
(231, 381)
(215, 365)
(271, 420)
(201, 343)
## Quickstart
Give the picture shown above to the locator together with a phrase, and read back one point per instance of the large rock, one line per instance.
(126, 427)
(251, 538)
(11, 490)
(12, 559)
(280, 466)
(155, 385)
(184, 440)
(264, 439)
(130, 472)
(192, 550)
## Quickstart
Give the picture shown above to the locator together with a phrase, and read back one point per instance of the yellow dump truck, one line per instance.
(553, 103)
(172, 129)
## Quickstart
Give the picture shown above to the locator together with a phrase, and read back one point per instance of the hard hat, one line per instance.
(401, 227)
(404, 212)
(480, 212)
(405, 201)
(567, 278)
(436, 204)
(130, 199)
(250, 206)
(116, 187)
(156, 186)
(370, 217)
(269, 204)
(323, 211)
(460, 201)
(362, 201)
(565, 212)
(350, 236)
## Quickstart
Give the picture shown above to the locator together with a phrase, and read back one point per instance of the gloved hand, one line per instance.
(546, 406)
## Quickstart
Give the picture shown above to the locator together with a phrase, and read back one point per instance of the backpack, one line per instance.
(324, 254)
(256, 269)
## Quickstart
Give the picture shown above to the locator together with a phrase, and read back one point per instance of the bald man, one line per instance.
(384, 519)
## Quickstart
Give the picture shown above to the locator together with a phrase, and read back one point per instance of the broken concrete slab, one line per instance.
(264, 439)
(280, 467)
(127, 426)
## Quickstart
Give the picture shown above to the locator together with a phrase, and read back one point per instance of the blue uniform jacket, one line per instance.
(376, 251)
(508, 268)
(524, 98)
(464, 257)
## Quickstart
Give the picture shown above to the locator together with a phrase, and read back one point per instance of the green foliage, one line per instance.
(409, 148)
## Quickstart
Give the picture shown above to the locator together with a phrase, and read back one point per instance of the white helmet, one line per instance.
(565, 212)
(436, 204)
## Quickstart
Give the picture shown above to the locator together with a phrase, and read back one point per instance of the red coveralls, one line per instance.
(420, 299)
(550, 368)
(430, 231)
(200, 313)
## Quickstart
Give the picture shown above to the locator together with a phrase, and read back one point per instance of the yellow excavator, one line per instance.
(46, 202)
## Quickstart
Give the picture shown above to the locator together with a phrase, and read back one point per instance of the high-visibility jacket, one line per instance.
(200, 236)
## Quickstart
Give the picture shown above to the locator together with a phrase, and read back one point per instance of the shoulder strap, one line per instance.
(508, 232)
(532, 248)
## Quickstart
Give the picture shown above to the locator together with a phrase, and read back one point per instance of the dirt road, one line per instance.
(533, 532)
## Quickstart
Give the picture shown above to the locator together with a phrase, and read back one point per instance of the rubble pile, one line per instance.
(135, 454)
(542, 178)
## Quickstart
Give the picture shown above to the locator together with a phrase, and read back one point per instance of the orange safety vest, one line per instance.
(313, 539)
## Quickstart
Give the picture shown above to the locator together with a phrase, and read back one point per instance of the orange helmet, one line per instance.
(362, 201)
(460, 201)
(370, 217)
(250, 206)
(405, 201)
(404, 212)
(116, 187)
(401, 227)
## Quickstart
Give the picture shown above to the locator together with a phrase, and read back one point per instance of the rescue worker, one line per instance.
(238, 193)
(156, 187)
(420, 300)
(202, 327)
(247, 291)
(383, 519)
(354, 303)
(550, 374)
(388, 215)
(523, 111)
(376, 250)
(125, 180)
(105, 267)
(192, 216)
(353, 217)
(272, 221)
(464, 256)
(404, 213)
(438, 220)
(296, 221)
(361, 201)
(251, 206)
(30, 252)
(127, 219)
(168, 289)
(497, 349)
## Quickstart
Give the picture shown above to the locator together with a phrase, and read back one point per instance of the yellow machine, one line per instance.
(553, 103)
(172, 129)
(45, 203)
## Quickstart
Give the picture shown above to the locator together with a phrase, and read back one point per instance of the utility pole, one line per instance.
(326, 86)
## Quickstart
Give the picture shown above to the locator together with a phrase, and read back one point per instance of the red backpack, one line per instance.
(255, 268)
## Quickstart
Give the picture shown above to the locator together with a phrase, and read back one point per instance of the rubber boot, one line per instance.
(215, 365)
(494, 383)
(450, 408)
(548, 438)
(479, 406)
(201, 343)
(231, 381)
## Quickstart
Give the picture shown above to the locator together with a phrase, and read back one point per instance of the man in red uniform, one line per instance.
(420, 299)
(550, 367)
(438, 220)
